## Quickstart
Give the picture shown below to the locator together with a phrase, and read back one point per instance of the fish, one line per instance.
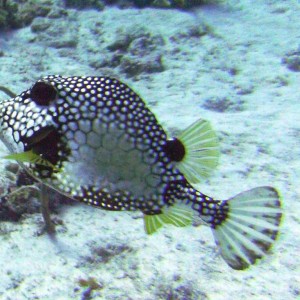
(96, 141)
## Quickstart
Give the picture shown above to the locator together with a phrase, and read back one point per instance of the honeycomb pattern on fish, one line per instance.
(95, 140)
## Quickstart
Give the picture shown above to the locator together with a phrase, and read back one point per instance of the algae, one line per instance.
(8, 13)
(18, 13)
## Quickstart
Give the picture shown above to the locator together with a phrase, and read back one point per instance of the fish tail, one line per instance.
(245, 226)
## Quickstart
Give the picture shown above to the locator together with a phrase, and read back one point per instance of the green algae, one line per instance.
(17, 13)
(8, 13)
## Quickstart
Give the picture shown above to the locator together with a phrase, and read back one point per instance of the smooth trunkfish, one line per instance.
(94, 140)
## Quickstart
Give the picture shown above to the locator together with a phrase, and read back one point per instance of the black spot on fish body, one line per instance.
(174, 149)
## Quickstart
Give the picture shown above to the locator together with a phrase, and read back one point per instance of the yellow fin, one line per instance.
(201, 151)
(152, 223)
(177, 215)
(30, 157)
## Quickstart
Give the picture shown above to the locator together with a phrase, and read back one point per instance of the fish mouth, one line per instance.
(48, 143)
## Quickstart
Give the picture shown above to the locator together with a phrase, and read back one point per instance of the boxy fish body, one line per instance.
(94, 140)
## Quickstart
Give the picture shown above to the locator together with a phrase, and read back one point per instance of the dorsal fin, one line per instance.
(177, 215)
(201, 151)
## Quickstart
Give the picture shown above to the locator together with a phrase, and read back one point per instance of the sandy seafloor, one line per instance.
(238, 59)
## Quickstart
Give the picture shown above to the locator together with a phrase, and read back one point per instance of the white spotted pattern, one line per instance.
(106, 145)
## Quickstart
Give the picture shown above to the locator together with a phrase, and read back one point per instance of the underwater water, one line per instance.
(233, 63)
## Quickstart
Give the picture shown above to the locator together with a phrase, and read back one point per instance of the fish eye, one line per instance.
(42, 93)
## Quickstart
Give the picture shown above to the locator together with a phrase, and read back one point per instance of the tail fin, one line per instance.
(250, 228)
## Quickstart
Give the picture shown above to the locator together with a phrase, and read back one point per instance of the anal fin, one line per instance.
(177, 215)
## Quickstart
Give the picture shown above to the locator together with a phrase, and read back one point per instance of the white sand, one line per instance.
(260, 146)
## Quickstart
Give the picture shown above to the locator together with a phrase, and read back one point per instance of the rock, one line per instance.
(192, 31)
(244, 88)
(19, 13)
(33, 9)
(105, 253)
(292, 60)
(40, 24)
(23, 200)
(56, 33)
(223, 104)
(57, 12)
(145, 44)
(82, 4)
(132, 65)
(8, 14)
(12, 167)
(138, 51)
(121, 43)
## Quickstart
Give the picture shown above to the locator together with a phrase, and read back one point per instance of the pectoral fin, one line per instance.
(201, 149)
(30, 157)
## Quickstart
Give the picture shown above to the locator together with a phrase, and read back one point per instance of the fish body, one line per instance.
(95, 140)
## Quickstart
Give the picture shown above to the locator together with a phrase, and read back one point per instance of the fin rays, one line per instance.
(232, 248)
(177, 215)
(247, 243)
(152, 223)
(250, 228)
(201, 151)
(252, 220)
(251, 231)
(258, 210)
